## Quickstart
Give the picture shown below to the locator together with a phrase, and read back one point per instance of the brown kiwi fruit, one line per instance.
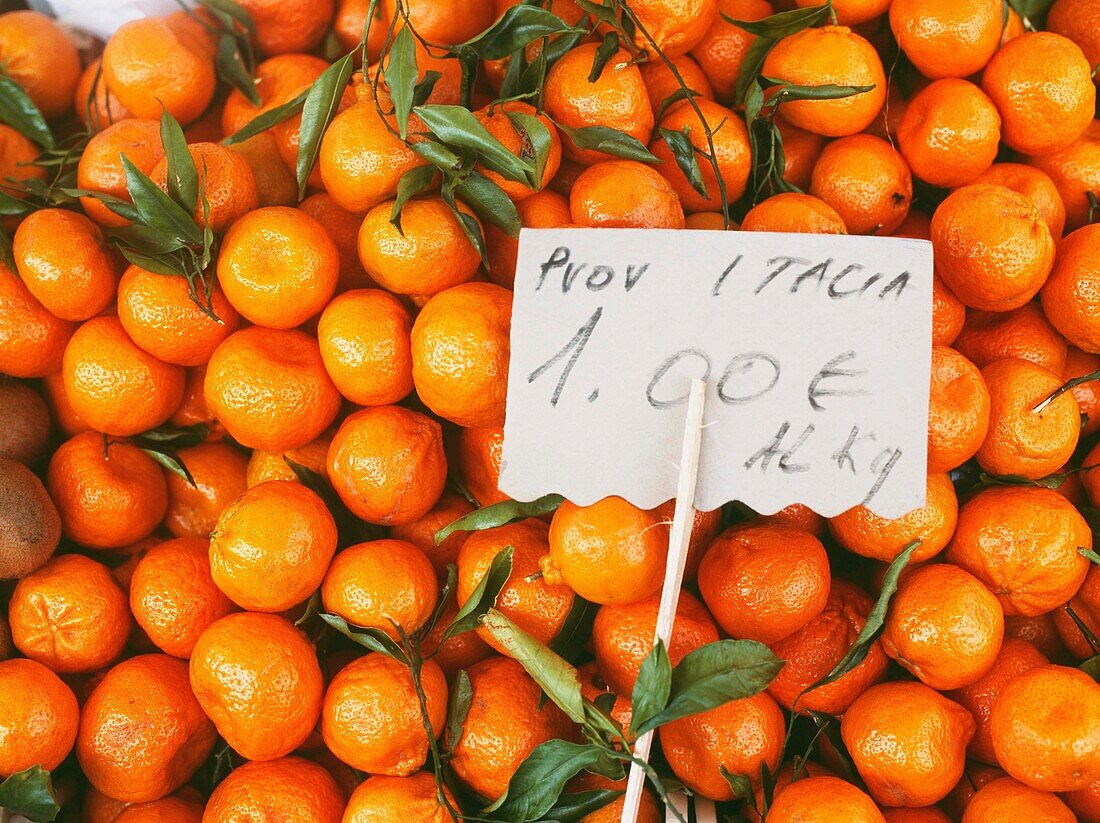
(24, 422)
(29, 525)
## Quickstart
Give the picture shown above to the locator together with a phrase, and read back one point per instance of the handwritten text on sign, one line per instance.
(816, 349)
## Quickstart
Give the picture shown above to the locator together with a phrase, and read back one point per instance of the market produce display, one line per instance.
(256, 272)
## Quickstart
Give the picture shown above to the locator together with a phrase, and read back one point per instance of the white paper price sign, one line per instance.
(815, 348)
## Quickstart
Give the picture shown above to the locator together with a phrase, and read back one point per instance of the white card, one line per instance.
(816, 349)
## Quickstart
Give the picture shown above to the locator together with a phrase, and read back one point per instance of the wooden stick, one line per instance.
(679, 537)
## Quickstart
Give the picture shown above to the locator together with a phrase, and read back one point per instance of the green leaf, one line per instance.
(483, 597)
(30, 793)
(7, 255)
(312, 607)
(489, 202)
(683, 151)
(609, 141)
(876, 620)
(653, 686)
(229, 10)
(715, 674)
(469, 225)
(231, 68)
(183, 179)
(604, 13)
(19, 111)
(784, 23)
(1091, 667)
(1031, 10)
(537, 141)
(571, 638)
(401, 74)
(413, 182)
(788, 93)
(751, 66)
(438, 155)
(739, 784)
(458, 706)
(423, 90)
(604, 52)
(500, 514)
(374, 639)
(156, 263)
(540, 779)
(174, 437)
(519, 26)
(574, 807)
(1092, 556)
(156, 210)
(460, 129)
(321, 104)
(272, 117)
(555, 676)
(173, 463)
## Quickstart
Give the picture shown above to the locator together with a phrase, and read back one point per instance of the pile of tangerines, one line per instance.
(254, 331)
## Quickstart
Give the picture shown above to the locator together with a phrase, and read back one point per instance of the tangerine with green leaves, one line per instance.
(277, 80)
(271, 547)
(158, 313)
(661, 83)
(944, 626)
(617, 99)
(257, 678)
(814, 651)
(537, 606)
(362, 158)
(387, 464)
(100, 169)
(739, 736)
(830, 55)
(622, 637)
(109, 494)
(383, 585)
(371, 716)
(731, 153)
(610, 552)
(721, 50)
(429, 254)
(421, 533)
(506, 124)
(507, 720)
(225, 181)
